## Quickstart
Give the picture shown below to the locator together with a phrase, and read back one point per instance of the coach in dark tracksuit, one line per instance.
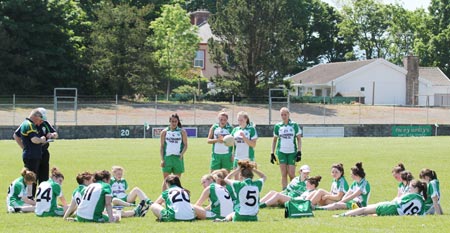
(47, 130)
(31, 142)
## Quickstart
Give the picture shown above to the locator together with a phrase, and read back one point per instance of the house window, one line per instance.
(362, 89)
(318, 92)
(199, 60)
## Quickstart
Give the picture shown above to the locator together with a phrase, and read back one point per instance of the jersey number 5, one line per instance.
(251, 198)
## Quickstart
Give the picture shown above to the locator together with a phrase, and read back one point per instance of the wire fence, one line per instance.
(111, 111)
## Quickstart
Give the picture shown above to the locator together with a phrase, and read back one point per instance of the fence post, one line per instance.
(156, 109)
(232, 111)
(195, 110)
(117, 107)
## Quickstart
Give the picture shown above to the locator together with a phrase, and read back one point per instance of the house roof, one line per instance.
(350, 94)
(204, 32)
(324, 73)
(434, 75)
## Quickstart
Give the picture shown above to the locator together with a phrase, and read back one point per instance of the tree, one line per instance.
(121, 61)
(366, 23)
(175, 40)
(40, 49)
(257, 44)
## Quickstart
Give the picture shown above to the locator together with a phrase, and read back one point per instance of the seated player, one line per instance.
(17, 199)
(84, 179)
(119, 185)
(358, 194)
(177, 202)
(220, 202)
(47, 194)
(295, 189)
(432, 202)
(409, 204)
(339, 187)
(247, 192)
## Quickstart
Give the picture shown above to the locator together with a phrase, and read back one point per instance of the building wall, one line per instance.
(210, 70)
(390, 84)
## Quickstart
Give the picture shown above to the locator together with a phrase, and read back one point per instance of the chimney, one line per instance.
(198, 17)
(411, 64)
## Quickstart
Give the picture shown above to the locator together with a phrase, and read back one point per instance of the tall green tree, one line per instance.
(175, 40)
(366, 23)
(40, 49)
(121, 60)
(257, 44)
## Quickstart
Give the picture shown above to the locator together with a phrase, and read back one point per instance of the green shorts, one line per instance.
(219, 161)
(288, 159)
(386, 208)
(167, 217)
(173, 164)
(58, 212)
(235, 162)
(103, 219)
(244, 218)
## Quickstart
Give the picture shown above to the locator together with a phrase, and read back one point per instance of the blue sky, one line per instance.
(408, 4)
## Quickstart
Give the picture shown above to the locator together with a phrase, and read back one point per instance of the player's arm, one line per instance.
(436, 205)
(203, 197)
(274, 143)
(38, 140)
(161, 149)
(233, 173)
(260, 174)
(251, 143)
(185, 142)
(299, 142)
(211, 139)
(332, 197)
(160, 200)
(63, 200)
(28, 201)
(52, 134)
(351, 196)
(108, 207)
(73, 206)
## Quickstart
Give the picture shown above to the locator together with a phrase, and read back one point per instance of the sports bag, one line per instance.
(298, 208)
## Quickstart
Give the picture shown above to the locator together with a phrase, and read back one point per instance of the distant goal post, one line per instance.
(65, 104)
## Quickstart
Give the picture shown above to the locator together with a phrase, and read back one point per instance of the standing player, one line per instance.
(247, 192)
(220, 202)
(177, 201)
(357, 195)
(118, 187)
(287, 139)
(221, 154)
(245, 137)
(432, 202)
(84, 179)
(47, 194)
(295, 189)
(339, 187)
(409, 204)
(173, 147)
(17, 199)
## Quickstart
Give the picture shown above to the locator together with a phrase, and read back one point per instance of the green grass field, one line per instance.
(140, 158)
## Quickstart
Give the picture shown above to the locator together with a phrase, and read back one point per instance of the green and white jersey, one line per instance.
(46, 197)
(173, 145)
(296, 187)
(339, 185)
(118, 187)
(432, 191)
(403, 189)
(220, 148)
(178, 203)
(248, 196)
(93, 202)
(77, 194)
(286, 134)
(241, 149)
(305, 194)
(220, 199)
(363, 186)
(410, 204)
(16, 191)
(232, 193)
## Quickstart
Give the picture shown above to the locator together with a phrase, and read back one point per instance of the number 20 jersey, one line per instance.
(178, 203)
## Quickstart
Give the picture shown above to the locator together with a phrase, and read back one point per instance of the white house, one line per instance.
(376, 81)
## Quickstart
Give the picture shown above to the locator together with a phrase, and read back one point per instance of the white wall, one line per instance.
(390, 84)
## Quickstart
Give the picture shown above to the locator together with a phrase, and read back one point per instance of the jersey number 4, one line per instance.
(46, 195)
